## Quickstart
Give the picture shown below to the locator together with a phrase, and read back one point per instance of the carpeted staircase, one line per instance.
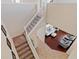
(22, 48)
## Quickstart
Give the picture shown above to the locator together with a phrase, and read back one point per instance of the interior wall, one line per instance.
(19, 1)
(64, 1)
(73, 51)
(73, 54)
(29, 1)
(6, 1)
(5, 51)
(63, 16)
(16, 16)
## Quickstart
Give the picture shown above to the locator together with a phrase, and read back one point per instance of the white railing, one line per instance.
(29, 28)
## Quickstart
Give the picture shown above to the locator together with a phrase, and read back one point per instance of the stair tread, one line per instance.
(29, 57)
(22, 47)
(23, 51)
(19, 40)
(26, 54)
(20, 44)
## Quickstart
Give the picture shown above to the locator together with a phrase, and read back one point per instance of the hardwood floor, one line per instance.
(53, 43)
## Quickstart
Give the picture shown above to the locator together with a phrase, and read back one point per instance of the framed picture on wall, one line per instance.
(8, 43)
(3, 30)
(13, 55)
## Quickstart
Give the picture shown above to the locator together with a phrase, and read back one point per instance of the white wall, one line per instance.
(15, 16)
(73, 51)
(6, 1)
(5, 48)
(15, 1)
(64, 1)
(63, 16)
(73, 54)
(5, 51)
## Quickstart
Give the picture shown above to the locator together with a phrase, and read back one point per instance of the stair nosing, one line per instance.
(23, 52)
(19, 49)
(26, 55)
(21, 44)
(30, 54)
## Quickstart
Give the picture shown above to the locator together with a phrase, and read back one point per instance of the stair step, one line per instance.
(26, 55)
(24, 51)
(29, 57)
(22, 47)
(20, 44)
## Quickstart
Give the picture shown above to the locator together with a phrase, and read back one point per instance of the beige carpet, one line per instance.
(46, 53)
(43, 50)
